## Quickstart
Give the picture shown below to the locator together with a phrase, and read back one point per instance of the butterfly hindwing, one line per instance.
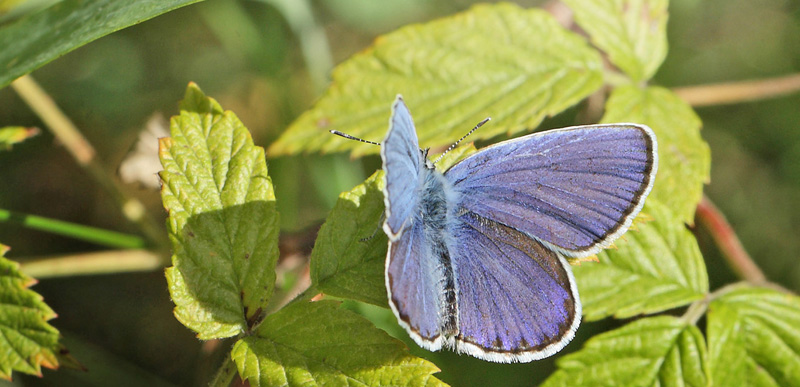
(517, 299)
(574, 189)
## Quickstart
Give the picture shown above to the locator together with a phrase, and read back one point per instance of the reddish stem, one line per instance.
(732, 250)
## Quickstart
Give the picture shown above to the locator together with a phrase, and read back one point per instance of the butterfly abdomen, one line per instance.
(433, 215)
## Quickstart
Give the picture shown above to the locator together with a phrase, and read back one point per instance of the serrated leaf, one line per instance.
(350, 251)
(515, 65)
(754, 338)
(11, 135)
(222, 219)
(632, 32)
(656, 351)
(319, 344)
(27, 341)
(343, 264)
(684, 159)
(32, 41)
(656, 266)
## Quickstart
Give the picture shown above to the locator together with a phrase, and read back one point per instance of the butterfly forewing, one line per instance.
(575, 189)
(402, 163)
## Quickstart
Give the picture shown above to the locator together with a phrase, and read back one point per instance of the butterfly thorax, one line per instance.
(433, 212)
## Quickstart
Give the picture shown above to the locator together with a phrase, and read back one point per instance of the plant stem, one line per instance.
(83, 152)
(103, 262)
(225, 373)
(77, 231)
(735, 92)
(732, 250)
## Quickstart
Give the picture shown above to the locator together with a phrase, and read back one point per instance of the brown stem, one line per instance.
(732, 250)
(735, 92)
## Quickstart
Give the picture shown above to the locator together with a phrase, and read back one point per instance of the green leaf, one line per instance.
(317, 343)
(33, 41)
(632, 32)
(11, 135)
(27, 341)
(343, 264)
(657, 351)
(222, 219)
(684, 160)
(656, 266)
(516, 65)
(754, 338)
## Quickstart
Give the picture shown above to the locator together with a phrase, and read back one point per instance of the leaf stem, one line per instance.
(732, 250)
(735, 92)
(225, 373)
(82, 151)
(73, 230)
(102, 262)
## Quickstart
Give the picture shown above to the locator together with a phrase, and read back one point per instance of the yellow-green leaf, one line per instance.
(27, 341)
(222, 219)
(754, 338)
(513, 64)
(319, 344)
(632, 32)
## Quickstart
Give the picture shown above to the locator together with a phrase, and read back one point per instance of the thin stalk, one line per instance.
(225, 373)
(725, 237)
(736, 92)
(103, 262)
(83, 152)
(73, 230)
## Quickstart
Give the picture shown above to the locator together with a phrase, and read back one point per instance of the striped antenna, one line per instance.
(349, 137)
(455, 144)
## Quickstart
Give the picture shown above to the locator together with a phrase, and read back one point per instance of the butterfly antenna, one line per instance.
(349, 137)
(455, 144)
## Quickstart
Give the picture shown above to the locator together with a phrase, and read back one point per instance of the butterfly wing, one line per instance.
(402, 163)
(574, 189)
(414, 279)
(517, 299)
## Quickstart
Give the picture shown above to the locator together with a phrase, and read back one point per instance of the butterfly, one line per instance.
(477, 258)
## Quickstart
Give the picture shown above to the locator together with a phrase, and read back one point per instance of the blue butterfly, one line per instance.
(476, 259)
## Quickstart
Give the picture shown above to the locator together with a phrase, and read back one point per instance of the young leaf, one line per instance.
(11, 135)
(222, 219)
(754, 338)
(632, 32)
(684, 160)
(656, 351)
(656, 266)
(27, 341)
(515, 65)
(33, 41)
(343, 263)
(317, 343)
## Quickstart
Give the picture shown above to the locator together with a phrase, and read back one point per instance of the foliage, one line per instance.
(27, 340)
(518, 65)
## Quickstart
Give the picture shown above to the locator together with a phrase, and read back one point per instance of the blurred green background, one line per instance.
(247, 55)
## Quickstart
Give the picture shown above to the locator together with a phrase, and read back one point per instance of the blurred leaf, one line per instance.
(684, 160)
(656, 351)
(222, 219)
(754, 338)
(317, 343)
(517, 65)
(342, 263)
(656, 266)
(11, 135)
(27, 341)
(33, 41)
(632, 32)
